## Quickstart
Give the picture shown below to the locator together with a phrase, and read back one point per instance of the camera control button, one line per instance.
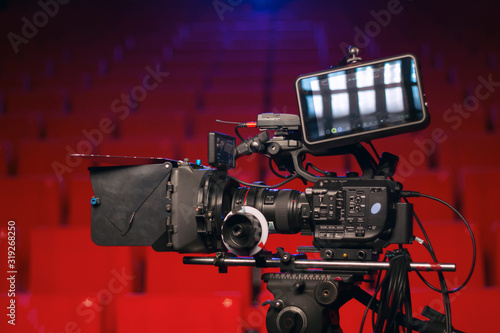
(360, 232)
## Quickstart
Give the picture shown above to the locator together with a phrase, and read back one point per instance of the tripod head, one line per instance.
(308, 294)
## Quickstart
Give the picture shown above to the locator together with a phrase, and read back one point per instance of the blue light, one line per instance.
(376, 208)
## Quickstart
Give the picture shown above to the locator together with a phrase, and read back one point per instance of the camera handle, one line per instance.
(365, 160)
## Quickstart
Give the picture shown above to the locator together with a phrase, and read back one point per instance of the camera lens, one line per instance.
(283, 207)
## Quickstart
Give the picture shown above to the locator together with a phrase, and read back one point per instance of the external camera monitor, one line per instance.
(361, 102)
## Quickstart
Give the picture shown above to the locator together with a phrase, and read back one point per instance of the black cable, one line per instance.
(402, 281)
(274, 171)
(292, 177)
(373, 149)
(238, 133)
(378, 283)
(444, 288)
(429, 248)
(372, 299)
(421, 226)
(395, 288)
(315, 168)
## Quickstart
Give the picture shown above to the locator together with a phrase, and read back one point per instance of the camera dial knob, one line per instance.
(291, 319)
(326, 292)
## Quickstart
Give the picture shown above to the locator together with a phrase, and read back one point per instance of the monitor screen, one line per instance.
(362, 101)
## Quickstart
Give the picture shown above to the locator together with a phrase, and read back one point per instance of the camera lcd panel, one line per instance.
(361, 102)
(221, 151)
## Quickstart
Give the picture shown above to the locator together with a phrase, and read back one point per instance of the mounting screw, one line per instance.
(328, 254)
(286, 257)
(299, 286)
(95, 201)
(353, 51)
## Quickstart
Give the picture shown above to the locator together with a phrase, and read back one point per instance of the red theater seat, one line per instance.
(436, 183)
(199, 60)
(98, 101)
(51, 156)
(496, 256)
(291, 69)
(468, 149)
(251, 45)
(221, 98)
(416, 151)
(46, 101)
(244, 57)
(351, 314)
(195, 149)
(195, 45)
(181, 313)
(30, 202)
(91, 127)
(284, 99)
(452, 244)
(41, 194)
(301, 42)
(79, 192)
(165, 273)
(478, 187)
(440, 93)
(140, 147)
(65, 260)
(54, 313)
(206, 121)
(15, 127)
(249, 83)
(5, 157)
(450, 120)
(168, 101)
(239, 72)
(172, 126)
(464, 317)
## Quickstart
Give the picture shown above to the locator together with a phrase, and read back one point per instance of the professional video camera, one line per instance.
(189, 208)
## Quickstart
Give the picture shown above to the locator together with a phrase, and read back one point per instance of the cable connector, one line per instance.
(250, 124)
(412, 194)
(419, 240)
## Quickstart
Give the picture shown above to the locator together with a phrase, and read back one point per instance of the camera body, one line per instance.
(187, 208)
(192, 209)
(183, 207)
(352, 213)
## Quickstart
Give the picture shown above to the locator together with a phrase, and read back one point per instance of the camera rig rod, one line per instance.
(308, 263)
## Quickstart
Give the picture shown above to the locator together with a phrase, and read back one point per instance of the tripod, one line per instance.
(307, 300)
